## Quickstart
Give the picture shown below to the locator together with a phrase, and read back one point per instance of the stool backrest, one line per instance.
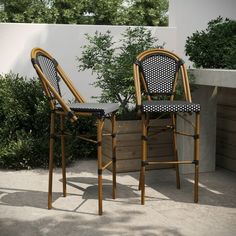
(157, 72)
(50, 73)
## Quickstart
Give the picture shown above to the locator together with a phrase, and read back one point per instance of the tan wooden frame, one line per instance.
(73, 116)
(139, 82)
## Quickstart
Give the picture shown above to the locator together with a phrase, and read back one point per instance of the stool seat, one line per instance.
(101, 109)
(170, 106)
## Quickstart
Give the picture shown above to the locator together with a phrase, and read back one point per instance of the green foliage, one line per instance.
(112, 62)
(145, 13)
(68, 11)
(100, 12)
(215, 47)
(27, 11)
(24, 126)
(23, 123)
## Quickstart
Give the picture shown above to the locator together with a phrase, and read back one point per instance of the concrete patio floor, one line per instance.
(168, 211)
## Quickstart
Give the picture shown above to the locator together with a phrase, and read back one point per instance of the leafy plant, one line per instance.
(100, 12)
(112, 62)
(23, 122)
(24, 126)
(144, 12)
(214, 47)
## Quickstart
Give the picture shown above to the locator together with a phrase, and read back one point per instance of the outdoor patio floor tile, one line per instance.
(167, 210)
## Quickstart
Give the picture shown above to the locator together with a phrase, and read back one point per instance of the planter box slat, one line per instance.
(226, 136)
(225, 149)
(226, 128)
(163, 138)
(226, 162)
(134, 164)
(135, 151)
(226, 96)
(129, 145)
(226, 124)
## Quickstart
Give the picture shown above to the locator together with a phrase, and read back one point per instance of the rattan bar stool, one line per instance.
(50, 73)
(156, 75)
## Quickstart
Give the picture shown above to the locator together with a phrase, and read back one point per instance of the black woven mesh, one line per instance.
(159, 73)
(49, 69)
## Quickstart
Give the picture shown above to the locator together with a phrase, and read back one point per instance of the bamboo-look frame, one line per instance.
(47, 87)
(138, 81)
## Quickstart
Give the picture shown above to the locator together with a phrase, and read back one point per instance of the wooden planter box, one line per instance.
(129, 145)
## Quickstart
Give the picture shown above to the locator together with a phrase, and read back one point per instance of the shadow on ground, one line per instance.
(77, 225)
(215, 188)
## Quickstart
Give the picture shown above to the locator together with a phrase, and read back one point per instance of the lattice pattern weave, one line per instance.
(170, 106)
(50, 72)
(159, 73)
(100, 109)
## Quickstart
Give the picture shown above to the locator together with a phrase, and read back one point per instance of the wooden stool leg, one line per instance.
(196, 156)
(140, 178)
(144, 158)
(51, 153)
(63, 161)
(113, 156)
(196, 183)
(99, 157)
(142, 184)
(175, 151)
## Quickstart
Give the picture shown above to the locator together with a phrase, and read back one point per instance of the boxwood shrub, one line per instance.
(24, 126)
(214, 47)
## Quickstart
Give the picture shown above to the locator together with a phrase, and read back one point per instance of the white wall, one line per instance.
(191, 15)
(64, 43)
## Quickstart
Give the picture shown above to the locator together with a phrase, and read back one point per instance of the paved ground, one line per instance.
(168, 211)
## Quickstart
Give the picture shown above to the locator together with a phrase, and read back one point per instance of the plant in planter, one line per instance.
(210, 49)
(214, 47)
(112, 63)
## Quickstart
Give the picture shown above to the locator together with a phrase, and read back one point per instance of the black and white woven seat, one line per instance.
(99, 109)
(51, 74)
(156, 75)
(170, 106)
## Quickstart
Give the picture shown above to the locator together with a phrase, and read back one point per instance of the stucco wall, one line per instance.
(191, 15)
(64, 43)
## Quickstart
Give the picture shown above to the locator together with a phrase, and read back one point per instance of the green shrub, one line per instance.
(24, 126)
(23, 123)
(215, 47)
